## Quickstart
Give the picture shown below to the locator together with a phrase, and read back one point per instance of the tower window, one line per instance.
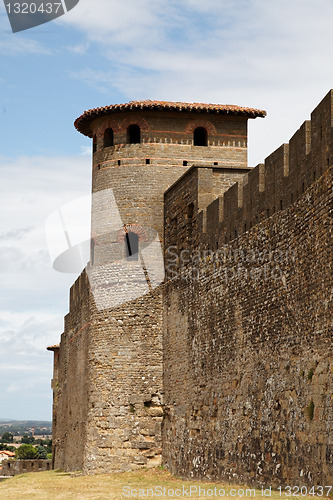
(132, 246)
(133, 134)
(94, 143)
(108, 138)
(200, 137)
(92, 251)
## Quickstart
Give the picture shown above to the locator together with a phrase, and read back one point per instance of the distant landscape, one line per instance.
(27, 439)
(25, 427)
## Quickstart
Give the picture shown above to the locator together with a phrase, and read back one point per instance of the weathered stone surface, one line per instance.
(248, 321)
(108, 372)
(245, 393)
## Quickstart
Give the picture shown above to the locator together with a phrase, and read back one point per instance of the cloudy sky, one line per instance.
(274, 55)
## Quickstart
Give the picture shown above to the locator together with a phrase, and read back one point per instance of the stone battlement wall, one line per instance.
(248, 356)
(247, 320)
(16, 467)
(71, 387)
(267, 188)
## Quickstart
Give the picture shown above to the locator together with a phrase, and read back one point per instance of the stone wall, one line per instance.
(16, 467)
(71, 383)
(248, 320)
(108, 394)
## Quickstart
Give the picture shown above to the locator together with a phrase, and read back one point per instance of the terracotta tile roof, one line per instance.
(53, 347)
(82, 124)
(8, 453)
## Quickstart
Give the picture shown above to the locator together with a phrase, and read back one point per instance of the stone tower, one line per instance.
(107, 384)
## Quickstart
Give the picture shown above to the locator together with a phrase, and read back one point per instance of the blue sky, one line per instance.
(258, 53)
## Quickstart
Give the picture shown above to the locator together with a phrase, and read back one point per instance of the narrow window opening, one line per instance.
(303, 187)
(281, 205)
(267, 212)
(184, 163)
(245, 227)
(108, 138)
(235, 233)
(190, 211)
(147, 161)
(132, 246)
(119, 162)
(94, 144)
(133, 134)
(216, 162)
(98, 167)
(314, 175)
(200, 137)
(328, 162)
(92, 251)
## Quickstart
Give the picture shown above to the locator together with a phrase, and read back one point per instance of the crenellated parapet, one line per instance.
(258, 194)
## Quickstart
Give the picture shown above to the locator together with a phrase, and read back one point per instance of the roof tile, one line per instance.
(82, 124)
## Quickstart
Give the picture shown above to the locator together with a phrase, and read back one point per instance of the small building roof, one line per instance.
(82, 124)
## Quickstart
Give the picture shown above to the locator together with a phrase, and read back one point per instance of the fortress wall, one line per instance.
(248, 349)
(125, 413)
(196, 189)
(275, 185)
(72, 385)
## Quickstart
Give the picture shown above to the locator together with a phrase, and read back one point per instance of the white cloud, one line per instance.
(274, 56)
(80, 48)
(33, 297)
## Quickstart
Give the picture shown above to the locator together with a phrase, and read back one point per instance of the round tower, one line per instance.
(112, 345)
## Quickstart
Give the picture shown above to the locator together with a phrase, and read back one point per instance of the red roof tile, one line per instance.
(8, 453)
(82, 124)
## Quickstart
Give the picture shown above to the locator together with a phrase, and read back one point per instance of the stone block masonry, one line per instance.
(108, 388)
(247, 339)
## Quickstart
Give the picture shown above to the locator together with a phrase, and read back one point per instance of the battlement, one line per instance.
(258, 194)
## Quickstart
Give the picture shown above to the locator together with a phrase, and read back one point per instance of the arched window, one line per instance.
(94, 143)
(108, 138)
(133, 134)
(200, 137)
(132, 246)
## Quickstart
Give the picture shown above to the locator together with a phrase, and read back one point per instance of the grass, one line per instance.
(55, 485)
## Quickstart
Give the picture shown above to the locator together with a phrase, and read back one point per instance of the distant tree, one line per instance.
(27, 439)
(11, 448)
(7, 437)
(42, 452)
(26, 451)
(49, 445)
